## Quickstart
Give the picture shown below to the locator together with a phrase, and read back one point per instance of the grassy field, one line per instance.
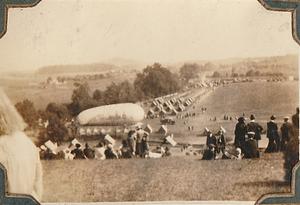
(259, 98)
(180, 177)
(175, 178)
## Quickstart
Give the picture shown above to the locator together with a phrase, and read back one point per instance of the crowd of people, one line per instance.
(246, 141)
(247, 137)
(135, 145)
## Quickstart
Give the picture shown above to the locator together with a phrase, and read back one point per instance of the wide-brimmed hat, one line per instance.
(286, 117)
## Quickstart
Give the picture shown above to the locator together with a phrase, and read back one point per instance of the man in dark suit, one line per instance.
(251, 149)
(286, 129)
(240, 134)
(211, 143)
(273, 136)
(253, 126)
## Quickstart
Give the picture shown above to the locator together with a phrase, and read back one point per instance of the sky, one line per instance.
(167, 31)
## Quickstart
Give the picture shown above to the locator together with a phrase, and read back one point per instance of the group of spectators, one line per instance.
(136, 145)
(247, 137)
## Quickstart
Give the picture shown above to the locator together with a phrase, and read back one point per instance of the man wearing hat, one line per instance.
(273, 136)
(240, 134)
(253, 126)
(251, 149)
(211, 143)
(140, 135)
(286, 129)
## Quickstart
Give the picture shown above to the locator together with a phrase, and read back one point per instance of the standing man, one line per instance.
(211, 144)
(240, 134)
(221, 142)
(286, 129)
(273, 136)
(131, 140)
(253, 126)
(140, 133)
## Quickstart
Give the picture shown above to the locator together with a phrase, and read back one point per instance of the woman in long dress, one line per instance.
(18, 154)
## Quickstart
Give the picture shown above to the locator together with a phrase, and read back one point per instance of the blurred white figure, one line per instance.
(18, 154)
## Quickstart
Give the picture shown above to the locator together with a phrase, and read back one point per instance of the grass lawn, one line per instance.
(175, 178)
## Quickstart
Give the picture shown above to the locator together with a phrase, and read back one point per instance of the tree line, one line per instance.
(153, 81)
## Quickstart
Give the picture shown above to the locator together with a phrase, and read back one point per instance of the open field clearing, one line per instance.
(19, 89)
(175, 178)
(259, 98)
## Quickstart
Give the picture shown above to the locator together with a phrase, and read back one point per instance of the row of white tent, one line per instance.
(168, 106)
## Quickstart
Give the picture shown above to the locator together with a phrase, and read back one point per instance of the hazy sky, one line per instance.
(87, 31)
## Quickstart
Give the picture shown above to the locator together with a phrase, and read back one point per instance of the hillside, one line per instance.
(287, 64)
(75, 69)
(175, 178)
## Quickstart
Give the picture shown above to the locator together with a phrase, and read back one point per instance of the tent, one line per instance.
(206, 130)
(43, 147)
(174, 112)
(51, 146)
(148, 129)
(181, 108)
(163, 130)
(154, 103)
(171, 140)
(150, 113)
(96, 131)
(163, 112)
(82, 131)
(223, 129)
(112, 115)
(74, 142)
(88, 131)
(109, 139)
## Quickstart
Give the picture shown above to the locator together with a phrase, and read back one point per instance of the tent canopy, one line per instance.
(112, 115)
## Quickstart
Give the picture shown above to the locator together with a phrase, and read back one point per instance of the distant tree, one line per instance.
(209, 66)
(61, 111)
(257, 73)
(156, 81)
(49, 80)
(234, 75)
(56, 131)
(189, 71)
(216, 74)
(127, 92)
(250, 73)
(28, 112)
(120, 93)
(98, 95)
(81, 99)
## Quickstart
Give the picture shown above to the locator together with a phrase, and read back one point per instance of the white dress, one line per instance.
(21, 159)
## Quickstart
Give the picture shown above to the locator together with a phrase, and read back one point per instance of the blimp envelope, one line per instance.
(112, 115)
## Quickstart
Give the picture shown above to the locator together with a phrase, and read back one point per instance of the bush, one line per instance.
(28, 112)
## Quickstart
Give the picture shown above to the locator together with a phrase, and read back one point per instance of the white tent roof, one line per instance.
(115, 114)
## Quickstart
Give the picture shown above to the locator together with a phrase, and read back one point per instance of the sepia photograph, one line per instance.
(147, 101)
